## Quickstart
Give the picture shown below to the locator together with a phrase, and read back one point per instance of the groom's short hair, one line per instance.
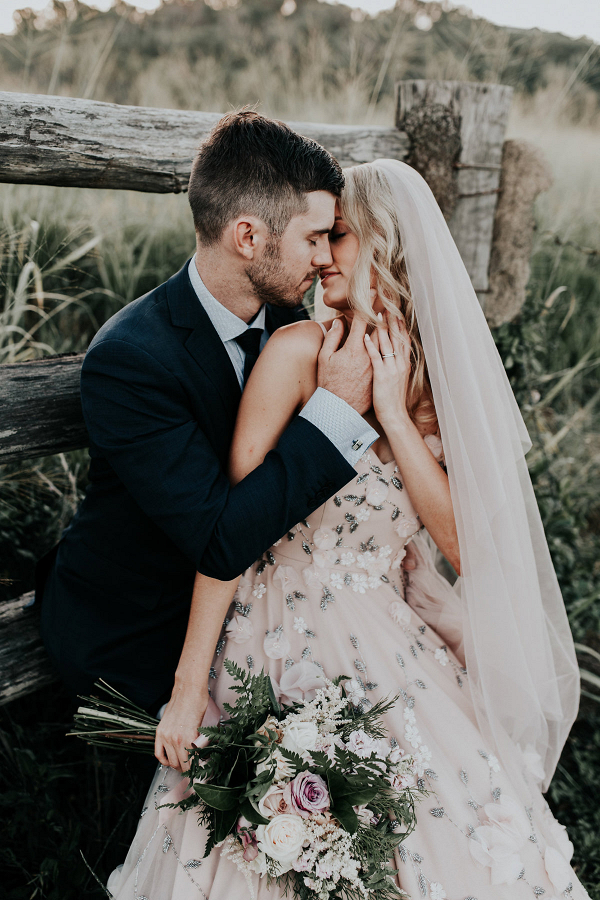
(253, 165)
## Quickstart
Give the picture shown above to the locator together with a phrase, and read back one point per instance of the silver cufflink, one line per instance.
(356, 445)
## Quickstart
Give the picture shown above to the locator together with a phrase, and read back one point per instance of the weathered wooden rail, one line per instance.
(452, 132)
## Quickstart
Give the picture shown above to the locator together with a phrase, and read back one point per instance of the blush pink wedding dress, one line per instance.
(331, 597)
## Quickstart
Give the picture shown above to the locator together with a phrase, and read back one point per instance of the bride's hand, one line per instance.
(389, 350)
(178, 727)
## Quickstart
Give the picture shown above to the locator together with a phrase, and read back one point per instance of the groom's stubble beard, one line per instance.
(270, 281)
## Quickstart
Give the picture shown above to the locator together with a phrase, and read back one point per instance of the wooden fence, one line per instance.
(452, 132)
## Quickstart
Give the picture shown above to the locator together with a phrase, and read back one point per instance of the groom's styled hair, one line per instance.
(256, 166)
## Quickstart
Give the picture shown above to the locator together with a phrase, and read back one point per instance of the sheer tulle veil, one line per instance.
(519, 650)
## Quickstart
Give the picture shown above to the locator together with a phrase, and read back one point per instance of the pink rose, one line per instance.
(307, 794)
(273, 803)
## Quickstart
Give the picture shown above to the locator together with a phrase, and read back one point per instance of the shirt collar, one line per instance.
(227, 325)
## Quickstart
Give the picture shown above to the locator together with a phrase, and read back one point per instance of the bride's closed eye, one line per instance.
(337, 234)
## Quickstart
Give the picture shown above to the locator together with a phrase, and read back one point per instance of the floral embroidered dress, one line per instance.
(331, 597)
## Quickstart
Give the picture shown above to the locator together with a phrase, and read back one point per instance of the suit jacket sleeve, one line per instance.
(139, 419)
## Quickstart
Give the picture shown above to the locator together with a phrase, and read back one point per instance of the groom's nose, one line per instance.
(322, 255)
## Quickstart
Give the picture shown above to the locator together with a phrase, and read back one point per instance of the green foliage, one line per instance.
(61, 802)
(542, 350)
(322, 61)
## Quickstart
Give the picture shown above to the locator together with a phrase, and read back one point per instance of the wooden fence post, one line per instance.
(473, 148)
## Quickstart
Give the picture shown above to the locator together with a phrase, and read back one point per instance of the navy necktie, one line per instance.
(249, 341)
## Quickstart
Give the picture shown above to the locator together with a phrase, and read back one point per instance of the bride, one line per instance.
(485, 669)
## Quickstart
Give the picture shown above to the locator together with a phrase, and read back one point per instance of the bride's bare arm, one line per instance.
(426, 482)
(281, 383)
(189, 698)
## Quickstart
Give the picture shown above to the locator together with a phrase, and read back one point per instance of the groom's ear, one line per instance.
(249, 236)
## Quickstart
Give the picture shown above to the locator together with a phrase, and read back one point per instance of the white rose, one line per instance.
(325, 538)
(240, 629)
(276, 645)
(283, 768)
(492, 847)
(282, 840)
(300, 737)
(273, 803)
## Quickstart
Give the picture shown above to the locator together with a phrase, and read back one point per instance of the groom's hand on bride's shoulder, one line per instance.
(346, 371)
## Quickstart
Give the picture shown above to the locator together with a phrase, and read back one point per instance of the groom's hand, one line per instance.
(347, 371)
(178, 727)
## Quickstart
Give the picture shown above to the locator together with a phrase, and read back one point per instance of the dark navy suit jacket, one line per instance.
(160, 398)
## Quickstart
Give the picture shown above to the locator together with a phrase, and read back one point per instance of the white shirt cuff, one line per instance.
(345, 428)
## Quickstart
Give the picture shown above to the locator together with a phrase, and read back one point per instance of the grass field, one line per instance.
(68, 260)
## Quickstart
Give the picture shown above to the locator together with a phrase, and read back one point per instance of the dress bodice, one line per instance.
(357, 538)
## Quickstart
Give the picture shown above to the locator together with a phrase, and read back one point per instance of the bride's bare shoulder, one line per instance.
(300, 340)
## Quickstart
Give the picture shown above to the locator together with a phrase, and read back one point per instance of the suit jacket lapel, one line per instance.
(203, 343)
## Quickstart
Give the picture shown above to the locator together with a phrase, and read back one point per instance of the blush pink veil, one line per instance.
(518, 646)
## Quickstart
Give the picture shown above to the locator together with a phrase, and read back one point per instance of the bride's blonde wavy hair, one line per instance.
(367, 208)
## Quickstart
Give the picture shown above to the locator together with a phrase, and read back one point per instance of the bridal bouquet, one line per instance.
(311, 796)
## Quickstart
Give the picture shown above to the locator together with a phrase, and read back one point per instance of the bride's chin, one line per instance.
(341, 304)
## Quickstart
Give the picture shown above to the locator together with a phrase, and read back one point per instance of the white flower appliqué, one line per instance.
(276, 645)
(259, 590)
(336, 581)
(240, 629)
(441, 656)
(325, 538)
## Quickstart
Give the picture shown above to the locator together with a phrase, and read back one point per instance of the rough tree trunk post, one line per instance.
(525, 174)
(460, 125)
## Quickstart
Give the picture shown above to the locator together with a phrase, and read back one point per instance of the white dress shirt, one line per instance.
(338, 421)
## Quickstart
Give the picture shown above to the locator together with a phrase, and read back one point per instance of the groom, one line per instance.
(160, 387)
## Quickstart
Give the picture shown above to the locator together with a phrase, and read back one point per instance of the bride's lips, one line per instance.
(326, 275)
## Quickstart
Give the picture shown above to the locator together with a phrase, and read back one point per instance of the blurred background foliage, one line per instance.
(71, 258)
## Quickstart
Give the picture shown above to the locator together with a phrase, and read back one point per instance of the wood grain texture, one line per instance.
(482, 110)
(24, 666)
(41, 408)
(84, 143)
